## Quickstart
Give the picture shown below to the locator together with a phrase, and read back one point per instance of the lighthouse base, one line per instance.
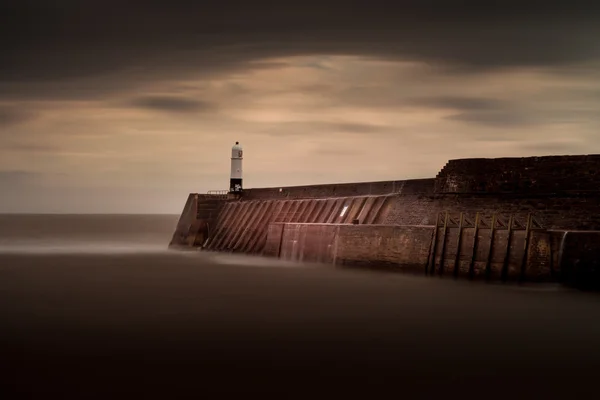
(235, 185)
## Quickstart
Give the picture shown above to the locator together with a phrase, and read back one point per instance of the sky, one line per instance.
(126, 107)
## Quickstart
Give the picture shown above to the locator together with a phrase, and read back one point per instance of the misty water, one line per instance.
(94, 306)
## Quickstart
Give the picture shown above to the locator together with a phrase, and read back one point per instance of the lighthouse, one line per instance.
(235, 182)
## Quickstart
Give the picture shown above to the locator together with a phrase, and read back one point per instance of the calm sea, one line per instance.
(96, 306)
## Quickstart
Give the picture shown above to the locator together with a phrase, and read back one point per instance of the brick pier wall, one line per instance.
(408, 187)
(527, 175)
(411, 249)
(187, 225)
(402, 248)
(243, 225)
(581, 212)
(562, 192)
(197, 221)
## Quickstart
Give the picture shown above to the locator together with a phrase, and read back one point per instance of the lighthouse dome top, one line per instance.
(236, 151)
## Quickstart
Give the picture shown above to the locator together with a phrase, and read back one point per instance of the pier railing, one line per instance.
(220, 194)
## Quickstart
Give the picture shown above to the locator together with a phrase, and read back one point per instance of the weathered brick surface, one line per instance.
(480, 252)
(196, 221)
(180, 236)
(407, 248)
(562, 193)
(377, 246)
(309, 242)
(528, 175)
(554, 212)
(412, 210)
(243, 225)
(539, 258)
(273, 243)
(342, 190)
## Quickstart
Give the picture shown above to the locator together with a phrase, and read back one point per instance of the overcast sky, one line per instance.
(129, 106)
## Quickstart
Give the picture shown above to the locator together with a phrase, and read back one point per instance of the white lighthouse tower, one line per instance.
(235, 183)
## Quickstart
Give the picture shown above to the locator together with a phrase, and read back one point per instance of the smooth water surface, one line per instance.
(97, 307)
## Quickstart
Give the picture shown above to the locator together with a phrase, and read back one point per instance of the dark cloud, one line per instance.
(13, 115)
(570, 115)
(393, 96)
(172, 104)
(516, 113)
(316, 88)
(458, 103)
(121, 82)
(575, 94)
(499, 119)
(64, 40)
(523, 116)
(317, 128)
(16, 178)
(355, 128)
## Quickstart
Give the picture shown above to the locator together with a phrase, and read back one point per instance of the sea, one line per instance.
(96, 306)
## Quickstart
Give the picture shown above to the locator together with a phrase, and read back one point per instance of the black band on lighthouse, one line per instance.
(235, 185)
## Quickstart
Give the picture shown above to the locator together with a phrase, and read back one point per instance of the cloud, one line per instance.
(151, 96)
(555, 147)
(120, 77)
(402, 88)
(316, 88)
(172, 104)
(16, 178)
(311, 129)
(526, 117)
(131, 41)
(458, 103)
(355, 128)
(13, 115)
(498, 119)
(28, 147)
